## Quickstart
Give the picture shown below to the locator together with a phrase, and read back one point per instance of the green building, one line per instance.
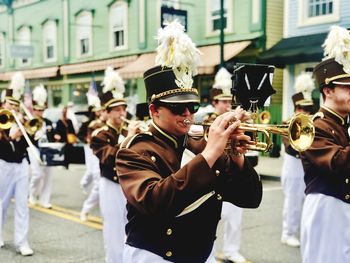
(67, 44)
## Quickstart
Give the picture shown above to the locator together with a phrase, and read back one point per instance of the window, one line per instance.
(84, 34)
(118, 25)
(313, 12)
(2, 50)
(213, 15)
(24, 38)
(50, 41)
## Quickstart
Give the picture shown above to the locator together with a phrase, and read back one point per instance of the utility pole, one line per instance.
(222, 33)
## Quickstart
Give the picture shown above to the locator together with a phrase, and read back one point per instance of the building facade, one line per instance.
(67, 44)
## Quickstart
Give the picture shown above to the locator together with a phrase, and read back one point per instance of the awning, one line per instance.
(136, 68)
(209, 59)
(211, 55)
(96, 65)
(38, 73)
(295, 50)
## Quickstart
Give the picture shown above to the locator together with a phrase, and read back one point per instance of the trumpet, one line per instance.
(300, 132)
(143, 127)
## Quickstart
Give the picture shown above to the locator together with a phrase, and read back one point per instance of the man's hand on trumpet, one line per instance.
(226, 128)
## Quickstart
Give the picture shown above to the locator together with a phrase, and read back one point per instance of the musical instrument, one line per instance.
(6, 119)
(32, 125)
(143, 126)
(300, 132)
(264, 117)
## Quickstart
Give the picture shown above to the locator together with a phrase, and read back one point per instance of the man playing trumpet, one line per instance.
(173, 204)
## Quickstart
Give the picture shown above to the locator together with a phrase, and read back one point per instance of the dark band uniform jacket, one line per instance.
(173, 211)
(105, 143)
(327, 162)
(12, 151)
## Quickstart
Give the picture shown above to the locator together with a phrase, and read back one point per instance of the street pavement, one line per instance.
(57, 235)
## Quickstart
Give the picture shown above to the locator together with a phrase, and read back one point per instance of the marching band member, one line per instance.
(92, 173)
(292, 175)
(40, 186)
(174, 208)
(325, 220)
(14, 170)
(231, 215)
(105, 143)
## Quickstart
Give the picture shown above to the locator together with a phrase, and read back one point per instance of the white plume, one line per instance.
(177, 51)
(93, 100)
(223, 81)
(17, 85)
(114, 83)
(40, 95)
(337, 46)
(305, 84)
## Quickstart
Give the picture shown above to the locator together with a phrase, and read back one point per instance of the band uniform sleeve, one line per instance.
(330, 150)
(154, 183)
(103, 148)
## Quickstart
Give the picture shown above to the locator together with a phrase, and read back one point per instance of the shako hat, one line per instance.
(335, 67)
(113, 89)
(304, 85)
(16, 89)
(171, 80)
(39, 98)
(222, 86)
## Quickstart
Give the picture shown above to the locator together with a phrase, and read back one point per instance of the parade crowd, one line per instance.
(160, 184)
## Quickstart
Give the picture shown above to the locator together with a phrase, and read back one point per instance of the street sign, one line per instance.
(21, 51)
(170, 14)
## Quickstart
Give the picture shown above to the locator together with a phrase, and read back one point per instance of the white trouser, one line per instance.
(1, 220)
(137, 255)
(292, 180)
(41, 179)
(231, 217)
(14, 183)
(92, 165)
(113, 210)
(93, 175)
(325, 230)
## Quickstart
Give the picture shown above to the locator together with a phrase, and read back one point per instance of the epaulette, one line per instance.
(133, 139)
(103, 128)
(318, 115)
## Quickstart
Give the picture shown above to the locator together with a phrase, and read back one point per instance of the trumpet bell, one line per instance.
(301, 132)
(6, 119)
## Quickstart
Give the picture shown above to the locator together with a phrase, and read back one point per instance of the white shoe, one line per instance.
(237, 258)
(291, 241)
(83, 216)
(33, 200)
(46, 205)
(25, 250)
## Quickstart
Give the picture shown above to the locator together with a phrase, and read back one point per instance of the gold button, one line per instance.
(217, 172)
(346, 180)
(108, 140)
(169, 253)
(169, 231)
(114, 169)
(347, 197)
(333, 131)
(219, 197)
(153, 158)
(115, 178)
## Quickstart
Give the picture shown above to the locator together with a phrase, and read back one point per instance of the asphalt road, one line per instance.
(57, 235)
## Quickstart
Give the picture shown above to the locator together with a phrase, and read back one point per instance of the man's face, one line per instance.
(38, 113)
(116, 115)
(171, 122)
(338, 99)
(222, 106)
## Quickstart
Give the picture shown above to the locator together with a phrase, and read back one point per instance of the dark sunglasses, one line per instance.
(180, 108)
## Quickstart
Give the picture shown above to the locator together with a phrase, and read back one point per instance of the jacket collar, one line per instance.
(169, 139)
(333, 115)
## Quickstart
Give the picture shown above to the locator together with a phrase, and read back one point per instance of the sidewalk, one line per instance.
(269, 168)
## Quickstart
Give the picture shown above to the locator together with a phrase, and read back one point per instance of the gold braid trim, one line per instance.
(329, 80)
(173, 91)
